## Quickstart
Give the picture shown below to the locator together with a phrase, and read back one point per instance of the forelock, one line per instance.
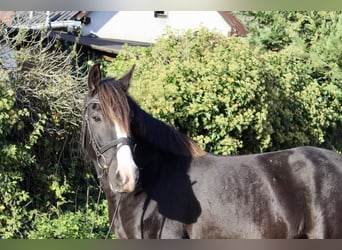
(114, 103)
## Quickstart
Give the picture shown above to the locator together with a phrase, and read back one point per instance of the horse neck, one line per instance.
(160, 136)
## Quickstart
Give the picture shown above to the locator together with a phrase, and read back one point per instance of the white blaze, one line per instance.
(126, 165)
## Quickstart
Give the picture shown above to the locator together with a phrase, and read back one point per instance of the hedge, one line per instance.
(233, 97)
(47, 190)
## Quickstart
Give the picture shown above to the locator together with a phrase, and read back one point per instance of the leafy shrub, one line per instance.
(88, 223)
(13, 200)
(231, 96)
(316, 37)
(46, 189)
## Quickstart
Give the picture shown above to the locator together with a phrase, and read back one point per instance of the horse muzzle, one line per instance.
(125, 183)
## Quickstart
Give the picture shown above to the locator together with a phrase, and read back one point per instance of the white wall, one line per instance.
(144, 27)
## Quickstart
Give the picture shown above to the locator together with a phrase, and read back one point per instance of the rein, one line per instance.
(114, 216)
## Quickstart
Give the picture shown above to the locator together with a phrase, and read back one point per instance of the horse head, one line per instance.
(106, 130)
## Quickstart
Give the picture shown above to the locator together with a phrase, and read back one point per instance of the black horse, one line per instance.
(160, 184)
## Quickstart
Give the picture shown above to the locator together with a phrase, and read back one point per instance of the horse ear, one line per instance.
(125, 80)
(94, 78)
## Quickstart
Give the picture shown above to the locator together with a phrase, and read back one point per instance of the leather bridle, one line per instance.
(100, 150)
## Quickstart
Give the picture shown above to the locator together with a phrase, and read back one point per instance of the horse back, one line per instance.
(293, 193)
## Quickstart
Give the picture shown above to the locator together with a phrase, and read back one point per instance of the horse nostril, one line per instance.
(119, 178)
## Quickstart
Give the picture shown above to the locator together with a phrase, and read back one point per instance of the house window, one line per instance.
(160, 14)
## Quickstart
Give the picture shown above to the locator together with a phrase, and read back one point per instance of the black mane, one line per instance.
(161, 135)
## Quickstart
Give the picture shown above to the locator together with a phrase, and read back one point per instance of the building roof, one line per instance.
(110, 46)
(237, 26)
(36, 19)
(12, 18)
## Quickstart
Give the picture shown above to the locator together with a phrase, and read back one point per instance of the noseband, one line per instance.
(100, 150)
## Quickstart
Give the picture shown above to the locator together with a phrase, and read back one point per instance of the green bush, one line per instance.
(231, 96)
(46, 188)
(13, 200)
(314, 37)
(89, 223)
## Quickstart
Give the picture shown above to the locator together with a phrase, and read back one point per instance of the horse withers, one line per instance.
(160, 184)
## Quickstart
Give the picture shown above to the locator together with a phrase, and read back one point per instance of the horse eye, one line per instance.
(97, 118)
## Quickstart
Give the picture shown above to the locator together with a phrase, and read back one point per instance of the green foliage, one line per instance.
(70, 225)
(231, 96)
(13, 200)
(46, 189)
(88, 223)
(314, 38)
(317, 33)
(14, 217)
